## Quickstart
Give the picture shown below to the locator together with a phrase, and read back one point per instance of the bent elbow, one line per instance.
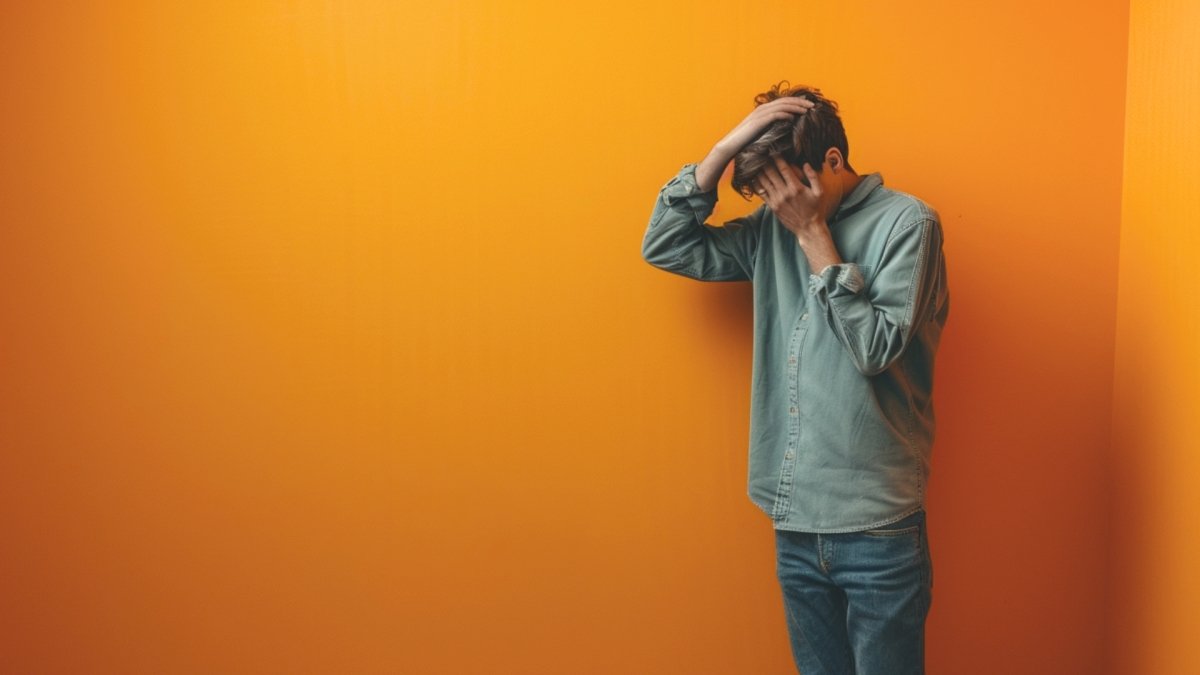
(870, 366)
(653, 257)
(657, 252)
(873, 361)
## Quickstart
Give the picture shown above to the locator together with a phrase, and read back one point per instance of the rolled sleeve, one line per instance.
(682, 191)
(875, 324)
(838, 280)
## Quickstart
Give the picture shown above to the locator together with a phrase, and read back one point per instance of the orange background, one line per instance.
(1156, 430)
(327, 344)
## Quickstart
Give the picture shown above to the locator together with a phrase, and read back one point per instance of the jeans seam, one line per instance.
(892, 533)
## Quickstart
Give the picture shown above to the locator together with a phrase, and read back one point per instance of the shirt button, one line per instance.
(788, 455)
(793, 410)
(792, 361)
(804, 316)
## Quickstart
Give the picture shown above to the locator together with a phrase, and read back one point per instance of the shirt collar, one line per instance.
(860, 192)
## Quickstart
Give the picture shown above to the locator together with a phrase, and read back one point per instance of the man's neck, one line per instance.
(848, 181)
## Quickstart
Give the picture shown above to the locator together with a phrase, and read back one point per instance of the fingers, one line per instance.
(791, 102)
(786, 172)
(786, 107)
(780, 179)
(771, 180)
(764, 188)
(813, 184)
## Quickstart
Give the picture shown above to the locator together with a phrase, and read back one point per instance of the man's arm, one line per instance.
(709, 171)
(679, 240)
(875, 325)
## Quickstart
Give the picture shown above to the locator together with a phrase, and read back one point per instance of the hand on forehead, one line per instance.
(780, 175)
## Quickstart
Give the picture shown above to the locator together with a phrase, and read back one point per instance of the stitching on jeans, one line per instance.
(892, 533)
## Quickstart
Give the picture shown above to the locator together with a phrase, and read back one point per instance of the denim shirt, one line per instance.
(841, 409)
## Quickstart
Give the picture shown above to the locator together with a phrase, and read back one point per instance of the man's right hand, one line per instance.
(709, 171)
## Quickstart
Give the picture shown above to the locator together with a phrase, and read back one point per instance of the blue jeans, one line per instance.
(856, 603)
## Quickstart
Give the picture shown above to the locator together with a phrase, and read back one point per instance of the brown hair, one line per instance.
(805, 138)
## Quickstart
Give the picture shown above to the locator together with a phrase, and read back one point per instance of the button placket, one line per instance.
(786, 472)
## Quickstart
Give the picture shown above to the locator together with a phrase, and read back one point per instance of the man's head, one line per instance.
(816, 137)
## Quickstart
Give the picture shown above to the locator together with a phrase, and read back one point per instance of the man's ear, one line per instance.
(833, 157)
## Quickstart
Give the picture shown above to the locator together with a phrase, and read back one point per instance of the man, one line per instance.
(850, 299)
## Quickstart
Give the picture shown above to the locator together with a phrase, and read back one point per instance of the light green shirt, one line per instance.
(841, 408)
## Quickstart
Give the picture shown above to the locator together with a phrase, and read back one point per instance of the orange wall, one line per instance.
(327, 345)
(1156, 461)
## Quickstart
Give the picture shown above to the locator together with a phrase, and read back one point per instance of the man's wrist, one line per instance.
(812, 233)
(818, 248)
(709, 171)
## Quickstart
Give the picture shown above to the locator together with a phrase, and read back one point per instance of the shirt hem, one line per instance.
(788, 527)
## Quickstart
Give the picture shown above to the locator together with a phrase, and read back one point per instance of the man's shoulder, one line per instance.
(898, 212)
(907, 209)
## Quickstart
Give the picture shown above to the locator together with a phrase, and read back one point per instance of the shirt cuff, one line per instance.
(837, 280)
(682, 189)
